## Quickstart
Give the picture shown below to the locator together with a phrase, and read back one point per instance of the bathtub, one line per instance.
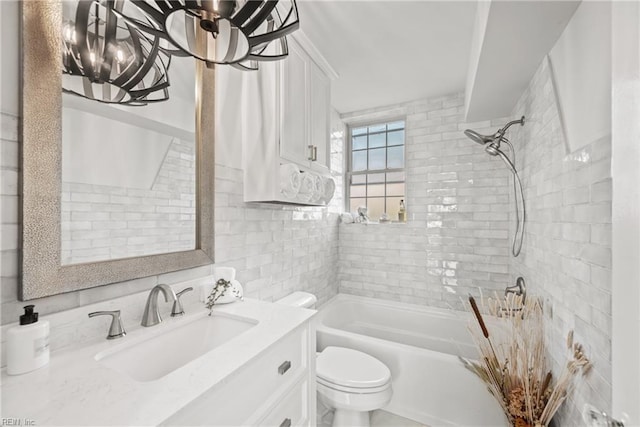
(420, 345)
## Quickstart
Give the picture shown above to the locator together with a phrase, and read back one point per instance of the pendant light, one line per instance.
(239, 33)
(107, 59)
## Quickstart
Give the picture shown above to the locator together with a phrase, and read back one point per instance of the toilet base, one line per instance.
(347, 418)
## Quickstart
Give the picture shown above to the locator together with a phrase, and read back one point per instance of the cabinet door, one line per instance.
(294, 134)
(319, 117)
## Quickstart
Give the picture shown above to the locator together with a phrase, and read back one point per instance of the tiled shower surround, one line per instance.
(456, 239)
(566, 257)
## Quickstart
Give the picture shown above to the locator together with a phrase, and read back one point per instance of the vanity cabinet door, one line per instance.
(262, 384)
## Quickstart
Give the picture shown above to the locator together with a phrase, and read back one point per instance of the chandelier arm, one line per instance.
(246, 12)
(109, 45)
(259, 18)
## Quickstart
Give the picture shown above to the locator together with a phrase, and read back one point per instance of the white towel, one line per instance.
(290, 180)
(346, 217)
(306, 188)
(329, 189)
(318, 189)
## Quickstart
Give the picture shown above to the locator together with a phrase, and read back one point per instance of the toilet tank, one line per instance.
(299, 299)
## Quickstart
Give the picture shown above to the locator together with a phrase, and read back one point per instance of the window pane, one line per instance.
(375, 190)
(359, 160)
(395, 157)
(375, 206)
(377, 128)
(358, 179)
(359, 131)
(393, 206)
(395, 138)
(375, 177)
(358, 191)
(359, 142)
(395, 125)
(395, 189)
(376, 158)
(377, 140)
(395, 177)
(355, 203)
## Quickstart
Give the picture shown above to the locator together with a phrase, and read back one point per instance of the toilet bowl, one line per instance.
(351, 382)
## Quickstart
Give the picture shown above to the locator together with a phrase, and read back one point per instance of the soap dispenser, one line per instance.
(27, 344)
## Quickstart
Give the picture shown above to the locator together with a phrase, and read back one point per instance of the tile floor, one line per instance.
(379, 418)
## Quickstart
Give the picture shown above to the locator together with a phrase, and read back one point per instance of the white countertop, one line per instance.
(75, 389)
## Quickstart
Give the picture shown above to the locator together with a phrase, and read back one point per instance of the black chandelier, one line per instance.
(107, 59)
(238, 33)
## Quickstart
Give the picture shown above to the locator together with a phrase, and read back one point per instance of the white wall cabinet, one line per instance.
(287, 122)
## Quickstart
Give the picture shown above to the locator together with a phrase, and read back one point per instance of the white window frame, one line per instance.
(349, 158)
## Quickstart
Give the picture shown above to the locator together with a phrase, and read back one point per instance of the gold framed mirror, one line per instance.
(43, 272)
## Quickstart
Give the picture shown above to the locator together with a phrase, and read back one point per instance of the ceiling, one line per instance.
(388, 52)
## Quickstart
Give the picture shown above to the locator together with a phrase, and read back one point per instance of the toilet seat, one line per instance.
(353, 390)
(351, 371)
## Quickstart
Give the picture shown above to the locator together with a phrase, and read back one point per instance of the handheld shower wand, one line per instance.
(491, 145)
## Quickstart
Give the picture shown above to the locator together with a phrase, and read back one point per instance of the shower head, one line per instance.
(476, 137)
(493, 139)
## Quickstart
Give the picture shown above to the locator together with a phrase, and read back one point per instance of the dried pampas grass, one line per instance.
(513, 361)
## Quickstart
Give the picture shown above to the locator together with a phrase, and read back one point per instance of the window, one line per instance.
(376, 177)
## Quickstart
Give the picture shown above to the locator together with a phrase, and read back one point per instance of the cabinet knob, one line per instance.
(286, 423)
(284, 367)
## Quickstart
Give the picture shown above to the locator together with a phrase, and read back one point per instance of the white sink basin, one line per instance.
(173, 346)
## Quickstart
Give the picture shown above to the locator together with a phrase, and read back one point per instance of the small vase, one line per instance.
(521, 422)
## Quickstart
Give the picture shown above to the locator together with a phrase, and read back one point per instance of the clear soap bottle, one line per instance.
(402, 212)
(27, 344)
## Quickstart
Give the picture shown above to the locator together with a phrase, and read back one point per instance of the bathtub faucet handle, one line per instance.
(518, 289)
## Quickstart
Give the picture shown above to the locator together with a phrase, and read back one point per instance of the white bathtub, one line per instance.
(421, 346)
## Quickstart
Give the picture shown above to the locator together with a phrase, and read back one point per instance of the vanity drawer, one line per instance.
(293, 409)
(246, 392)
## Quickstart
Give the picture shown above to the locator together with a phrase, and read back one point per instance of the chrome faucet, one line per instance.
(177, 309)
(151, 314)
(116, 330)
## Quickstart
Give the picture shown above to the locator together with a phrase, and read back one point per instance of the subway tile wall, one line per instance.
(566, 257)
(456, 239)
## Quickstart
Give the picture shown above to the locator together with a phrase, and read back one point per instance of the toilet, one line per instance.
(349, 381)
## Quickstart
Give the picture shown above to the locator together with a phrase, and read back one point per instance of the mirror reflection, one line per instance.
(128, 170)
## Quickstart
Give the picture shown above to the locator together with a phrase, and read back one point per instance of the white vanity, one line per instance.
(259, 372)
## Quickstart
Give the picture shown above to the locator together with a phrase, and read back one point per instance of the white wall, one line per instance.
(581, 66)
(626, 211)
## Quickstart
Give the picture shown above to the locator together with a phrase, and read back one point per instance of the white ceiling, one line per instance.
(388, 52)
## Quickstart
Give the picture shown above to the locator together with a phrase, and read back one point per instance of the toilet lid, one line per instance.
(351, 368)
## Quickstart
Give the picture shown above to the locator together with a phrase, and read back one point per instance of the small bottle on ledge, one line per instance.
(402, 213)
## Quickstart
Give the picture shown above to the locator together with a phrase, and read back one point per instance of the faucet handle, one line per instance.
(116, 330)
(177, 309)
